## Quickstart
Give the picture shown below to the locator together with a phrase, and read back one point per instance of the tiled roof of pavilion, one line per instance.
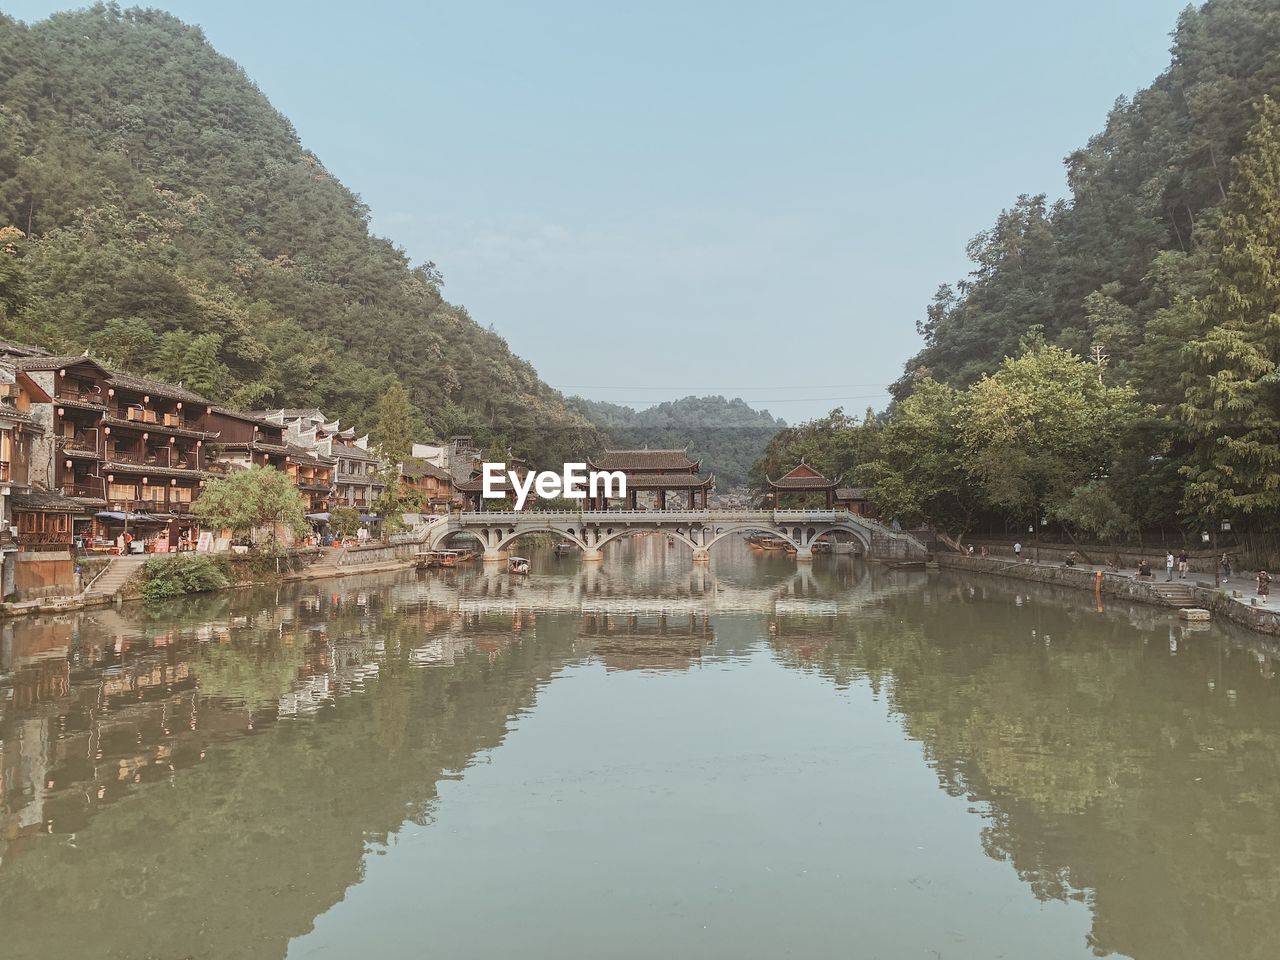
(803, 477)
(670, 481)
(656, 461)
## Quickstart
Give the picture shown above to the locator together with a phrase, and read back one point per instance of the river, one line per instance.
(640, 758)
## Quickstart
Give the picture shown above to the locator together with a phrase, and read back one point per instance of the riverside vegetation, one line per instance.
(1110, 362)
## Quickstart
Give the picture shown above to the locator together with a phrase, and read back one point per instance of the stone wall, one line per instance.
(378, 553)
(1199, 561)
(1261, 619)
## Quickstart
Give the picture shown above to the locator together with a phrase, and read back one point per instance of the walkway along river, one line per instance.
(638, 758)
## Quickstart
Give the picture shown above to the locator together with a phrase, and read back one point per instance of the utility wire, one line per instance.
(750, 386)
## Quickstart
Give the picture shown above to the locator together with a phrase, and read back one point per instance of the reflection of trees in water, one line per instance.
(1137, 767)
(242, 843)
(1110, 766)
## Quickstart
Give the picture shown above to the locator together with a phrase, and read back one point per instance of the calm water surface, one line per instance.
(638, 760)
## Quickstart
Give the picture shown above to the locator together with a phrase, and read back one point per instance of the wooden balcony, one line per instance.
(92, 490)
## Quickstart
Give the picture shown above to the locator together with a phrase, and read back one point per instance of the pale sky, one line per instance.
(651, 200)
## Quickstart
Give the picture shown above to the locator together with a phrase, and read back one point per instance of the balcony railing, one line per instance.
(93, 491)
(153, 458)
(71, 391)
(151, 507)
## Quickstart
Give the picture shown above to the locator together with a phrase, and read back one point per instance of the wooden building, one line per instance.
(854, 499)
(802, 487)
(18, 433)
(312, 474)
(130, 450)
(243, 440)
(656, 472)
(433, 484)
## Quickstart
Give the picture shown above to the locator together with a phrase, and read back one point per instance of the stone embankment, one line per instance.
(121, 578)
(1221, 602)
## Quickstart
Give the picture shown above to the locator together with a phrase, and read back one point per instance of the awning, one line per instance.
(318, 516)
(118, 515)
(369, 518)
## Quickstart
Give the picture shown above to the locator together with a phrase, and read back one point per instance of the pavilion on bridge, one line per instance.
(802, 482)
(660, 472)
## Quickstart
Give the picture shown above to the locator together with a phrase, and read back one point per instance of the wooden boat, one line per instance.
(905, 564)
(444, 558)
(564, 548)
(518, 565)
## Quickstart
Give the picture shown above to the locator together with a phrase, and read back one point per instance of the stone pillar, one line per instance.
(804, 554)
(701, 555)
(592, 555)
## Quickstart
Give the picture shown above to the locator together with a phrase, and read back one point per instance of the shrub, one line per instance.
(165, 577)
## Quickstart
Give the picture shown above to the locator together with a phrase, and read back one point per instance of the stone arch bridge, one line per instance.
(700, 530)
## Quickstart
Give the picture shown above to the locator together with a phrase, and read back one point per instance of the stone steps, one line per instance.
(1174, 593)
(118, 573)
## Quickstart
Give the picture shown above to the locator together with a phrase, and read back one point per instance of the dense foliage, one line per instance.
(176, 576)
(155, 209)
(727, 435)
(253, 499)
(1110, 362)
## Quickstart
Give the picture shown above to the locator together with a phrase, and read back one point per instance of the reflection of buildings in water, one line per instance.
(101, 703)
(637, 641)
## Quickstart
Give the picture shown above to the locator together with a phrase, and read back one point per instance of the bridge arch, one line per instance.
(719, 533)
(507, 536)
(675, 532)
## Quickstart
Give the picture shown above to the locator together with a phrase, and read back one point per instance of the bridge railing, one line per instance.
(604, 516)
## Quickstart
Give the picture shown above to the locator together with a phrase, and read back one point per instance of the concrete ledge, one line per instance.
(1218, 602)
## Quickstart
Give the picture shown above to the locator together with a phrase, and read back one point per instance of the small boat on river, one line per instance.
(518, 565)
(564, 548)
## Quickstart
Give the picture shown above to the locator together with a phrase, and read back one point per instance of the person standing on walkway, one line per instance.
(1017, 551)
(1168, 564)
(1182, 565)
(1264, 584)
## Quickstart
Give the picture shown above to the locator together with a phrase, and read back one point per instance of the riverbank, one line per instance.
(1231, 601)
(316, 565)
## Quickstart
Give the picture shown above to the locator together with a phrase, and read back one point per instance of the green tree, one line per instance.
(919, 475)
(1041, 426)
(1231, 384)
(393, 430)
(344, 521)
(252, 499)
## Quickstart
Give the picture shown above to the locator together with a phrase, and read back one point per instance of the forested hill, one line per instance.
(157, 210)
(1109, 265)
(728, 435)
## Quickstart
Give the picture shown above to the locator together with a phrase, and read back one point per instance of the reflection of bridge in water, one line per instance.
(592, 592)
(700, 530)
